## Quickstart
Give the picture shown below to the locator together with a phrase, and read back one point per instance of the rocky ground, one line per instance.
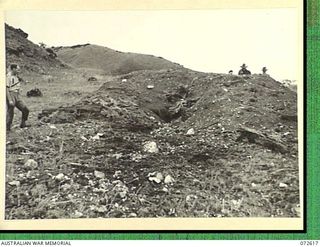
(167, 143)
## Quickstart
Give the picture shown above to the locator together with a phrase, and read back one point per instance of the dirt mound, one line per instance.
(168, 143)
(110, 61)
(214, 105)
(28, 55)
(115, 105)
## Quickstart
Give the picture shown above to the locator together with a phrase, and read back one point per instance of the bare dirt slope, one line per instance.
(168, 143)
(29, 56)
(110, 61)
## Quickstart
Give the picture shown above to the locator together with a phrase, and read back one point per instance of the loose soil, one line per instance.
(88, 139)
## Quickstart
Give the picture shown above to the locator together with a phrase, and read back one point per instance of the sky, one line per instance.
(203, 40)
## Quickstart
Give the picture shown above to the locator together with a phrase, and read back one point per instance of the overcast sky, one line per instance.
(203, 40)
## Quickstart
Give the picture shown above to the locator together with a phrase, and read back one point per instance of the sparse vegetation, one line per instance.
(161, 143)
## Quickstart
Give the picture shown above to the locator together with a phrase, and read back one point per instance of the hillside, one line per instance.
(109, 61)
(28, 55)
(167, 143)
(147, 138)
(257, 101)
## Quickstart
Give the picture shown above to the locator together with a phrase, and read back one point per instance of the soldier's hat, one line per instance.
(244, 66)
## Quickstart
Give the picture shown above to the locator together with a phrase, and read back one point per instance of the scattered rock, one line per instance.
(51, 126)
(77, 214)
(283, 185)
(165, 189)
(137, 157)
(100, 175)
(117, 156)
(34, 93)
(31, 164)
(84, 138)
(97, 136)
(14, 183)
(168, 180)
(190, 132)
(237, 203)
(31, 174)
(59, 177)
(150, 147)
(156, 177)
(99, 209)
(117, 174)
(65, 187)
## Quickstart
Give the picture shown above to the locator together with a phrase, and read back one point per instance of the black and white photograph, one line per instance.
(153, 114)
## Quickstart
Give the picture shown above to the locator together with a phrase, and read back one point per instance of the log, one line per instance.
(255, 136)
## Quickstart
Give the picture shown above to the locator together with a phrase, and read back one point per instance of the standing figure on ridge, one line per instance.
(264, 70)
(243, 70)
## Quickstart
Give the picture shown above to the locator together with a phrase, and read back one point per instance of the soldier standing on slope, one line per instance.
(243, 70)
(264, 70)
(13, 97)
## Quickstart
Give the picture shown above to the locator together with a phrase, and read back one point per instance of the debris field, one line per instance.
(165, 143)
